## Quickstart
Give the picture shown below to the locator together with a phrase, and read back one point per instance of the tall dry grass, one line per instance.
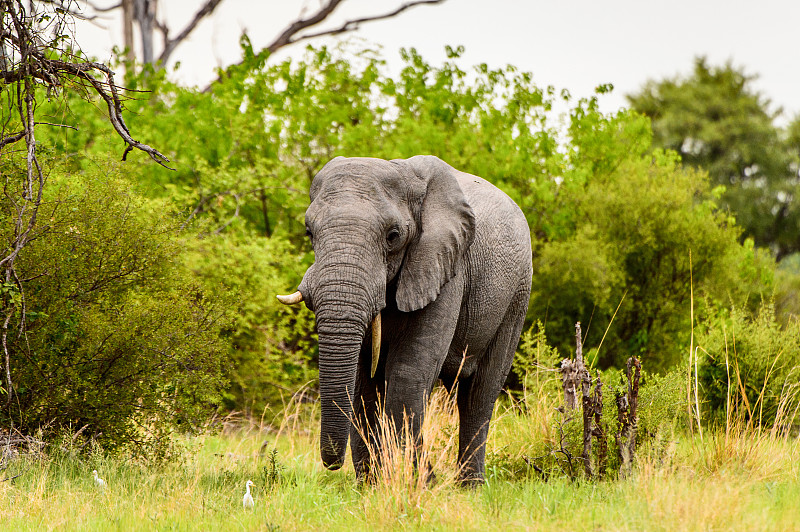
(405, 478)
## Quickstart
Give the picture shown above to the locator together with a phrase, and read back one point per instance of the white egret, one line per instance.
(97, 480)
(248, 501)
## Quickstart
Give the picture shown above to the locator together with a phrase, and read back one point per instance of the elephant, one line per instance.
(436, 264)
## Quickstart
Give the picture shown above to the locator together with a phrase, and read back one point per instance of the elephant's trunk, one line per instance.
(339, 347)
(344, 310)
(346, 289)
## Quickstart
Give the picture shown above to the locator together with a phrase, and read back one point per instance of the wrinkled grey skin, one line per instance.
(446, 258)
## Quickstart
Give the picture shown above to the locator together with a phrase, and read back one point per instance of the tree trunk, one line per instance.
(144, 12)
(127, 29)
(265, 212)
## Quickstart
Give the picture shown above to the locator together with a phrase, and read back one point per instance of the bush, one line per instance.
(119, 342)
(752, 367)
(787, 288)
(646, 232)
(272, 347)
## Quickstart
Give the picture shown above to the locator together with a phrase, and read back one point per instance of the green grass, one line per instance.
(740, 481)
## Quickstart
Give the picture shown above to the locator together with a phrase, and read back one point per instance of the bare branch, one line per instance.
(115, 115)
(49, 71)
(12, 138)
(104, 9)
(235, 215)
(287, 37)
(352, 25)
(77, 14)
(55, 125)
(171, 44)
(15, 476)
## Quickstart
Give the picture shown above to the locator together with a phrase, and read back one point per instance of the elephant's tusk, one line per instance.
(376, 344)
(291, 299)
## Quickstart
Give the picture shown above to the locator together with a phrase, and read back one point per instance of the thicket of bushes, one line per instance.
(553, 445)
(751, 370)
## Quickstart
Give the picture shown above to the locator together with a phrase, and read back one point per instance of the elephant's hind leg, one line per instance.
(477, 395)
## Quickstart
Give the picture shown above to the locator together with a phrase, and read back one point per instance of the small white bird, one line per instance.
(97, 480)
(248, 501)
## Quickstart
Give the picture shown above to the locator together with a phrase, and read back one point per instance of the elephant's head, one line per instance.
(374, 223)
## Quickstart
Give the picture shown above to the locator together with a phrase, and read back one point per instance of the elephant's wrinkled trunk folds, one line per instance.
(339, 346)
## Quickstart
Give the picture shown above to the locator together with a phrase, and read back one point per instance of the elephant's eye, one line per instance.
(308, 234)
(392, 236)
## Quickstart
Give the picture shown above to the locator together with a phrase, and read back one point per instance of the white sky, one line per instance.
(572, 44)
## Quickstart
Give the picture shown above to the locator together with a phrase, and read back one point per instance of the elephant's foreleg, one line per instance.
(405, 408)
(414, 361)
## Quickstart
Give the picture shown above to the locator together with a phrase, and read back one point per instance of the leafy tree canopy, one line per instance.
(716, 120)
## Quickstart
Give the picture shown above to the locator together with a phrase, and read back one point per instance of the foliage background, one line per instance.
(629, 230)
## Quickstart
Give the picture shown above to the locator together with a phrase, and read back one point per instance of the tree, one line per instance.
(35, 54)
(717, 121)
(119, 338)
(637, 236)
(793, 141)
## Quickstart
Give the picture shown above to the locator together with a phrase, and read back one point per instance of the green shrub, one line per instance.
(534, 357)
(646, 232)
(752, 367)
(119, 342)
(272, 347)
(787, 288)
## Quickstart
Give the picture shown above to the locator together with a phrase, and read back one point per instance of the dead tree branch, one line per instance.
(170, 44)
(289, 35)
(587, 403)
(285, 38)
(10, 139)
(574, 372)
(352, 25)
(622, 429)
(105, 9)
(34, 64)
(633, 400)
(627, 405)
(66, 7)
(599, 431)
(569, 381)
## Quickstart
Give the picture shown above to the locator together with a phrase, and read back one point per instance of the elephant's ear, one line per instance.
(447, 226)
